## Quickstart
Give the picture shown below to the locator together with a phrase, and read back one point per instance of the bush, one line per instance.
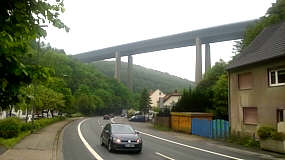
(266, 132)
(10, 127)
(26, 127)
(278, 136)
(244, 140)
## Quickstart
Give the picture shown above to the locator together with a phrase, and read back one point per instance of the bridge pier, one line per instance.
(130, 72)
(207, 57)
(117, 74)
(198, 69)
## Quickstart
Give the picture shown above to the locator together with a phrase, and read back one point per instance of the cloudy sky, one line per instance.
(96, 24)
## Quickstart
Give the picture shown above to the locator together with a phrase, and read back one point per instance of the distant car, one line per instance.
(120, 137)
(122, 115)
(106, 116)
(137, 118)
(111, 115)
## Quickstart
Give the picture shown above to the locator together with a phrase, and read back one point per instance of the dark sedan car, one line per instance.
(137, 118)
(106, 116)
(120, 137)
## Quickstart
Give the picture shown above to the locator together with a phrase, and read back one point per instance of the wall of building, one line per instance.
(155, 97)
(171, 100)
(267, 99)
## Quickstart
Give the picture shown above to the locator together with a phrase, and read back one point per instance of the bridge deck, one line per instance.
(208, 35)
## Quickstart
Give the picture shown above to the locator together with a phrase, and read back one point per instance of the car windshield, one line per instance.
(122, 129)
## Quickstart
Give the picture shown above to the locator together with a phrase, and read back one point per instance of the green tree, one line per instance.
(210, 95)
(20, 23)
(60, 86)
(275, 14)
(192, 100)
(145, 101)
(89, 104)
(220, 97)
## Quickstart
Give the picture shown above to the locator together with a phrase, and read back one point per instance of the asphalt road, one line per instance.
(81, 142)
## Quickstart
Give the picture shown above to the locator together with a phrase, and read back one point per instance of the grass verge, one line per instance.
(161, 128)
(246, 141)
(10, 142)
(20, 129)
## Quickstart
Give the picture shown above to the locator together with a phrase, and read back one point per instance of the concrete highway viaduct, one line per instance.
(205, 36)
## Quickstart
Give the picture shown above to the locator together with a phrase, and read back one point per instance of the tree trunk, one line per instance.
(10, 112)
(26, 114)
(33, 115)
(51, 113)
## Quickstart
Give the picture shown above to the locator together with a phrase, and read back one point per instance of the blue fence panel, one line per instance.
(202, 127)
(210, 128)
(220, 129)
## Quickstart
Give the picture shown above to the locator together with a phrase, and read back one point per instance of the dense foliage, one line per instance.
(39, 79)
(73, 86)
(9, 128)
(12, 127)
(145, 101)
(145, 78)
(210, 95)
(20, 24)
(274, 15)
(269, 132)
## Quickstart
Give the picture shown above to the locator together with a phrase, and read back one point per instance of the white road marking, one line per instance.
(196, 148)
(192, 147)
(98, 122)
(91, 150)
(164, 156)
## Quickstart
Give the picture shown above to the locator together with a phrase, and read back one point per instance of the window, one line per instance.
(280, 115)
(277, 77)
(245, 81)
(250, 115)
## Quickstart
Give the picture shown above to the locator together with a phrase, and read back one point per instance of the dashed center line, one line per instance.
(192, 147)
(188, 146)
(164, 156)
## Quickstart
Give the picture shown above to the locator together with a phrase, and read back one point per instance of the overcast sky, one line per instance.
(96, 24)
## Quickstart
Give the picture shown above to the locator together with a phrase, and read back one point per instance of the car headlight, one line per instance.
(138, 140)
(116, 140)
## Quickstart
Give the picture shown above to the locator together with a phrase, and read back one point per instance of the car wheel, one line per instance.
(101, 141)
(110, 149)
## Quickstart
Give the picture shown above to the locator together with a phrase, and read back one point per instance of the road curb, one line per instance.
(57, 153)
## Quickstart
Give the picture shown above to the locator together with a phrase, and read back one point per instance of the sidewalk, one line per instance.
(42, 145)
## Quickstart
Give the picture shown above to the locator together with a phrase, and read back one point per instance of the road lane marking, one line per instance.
(164, 156)
(196, 148)
(188, 146)
(98, 122)
(91, 150)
